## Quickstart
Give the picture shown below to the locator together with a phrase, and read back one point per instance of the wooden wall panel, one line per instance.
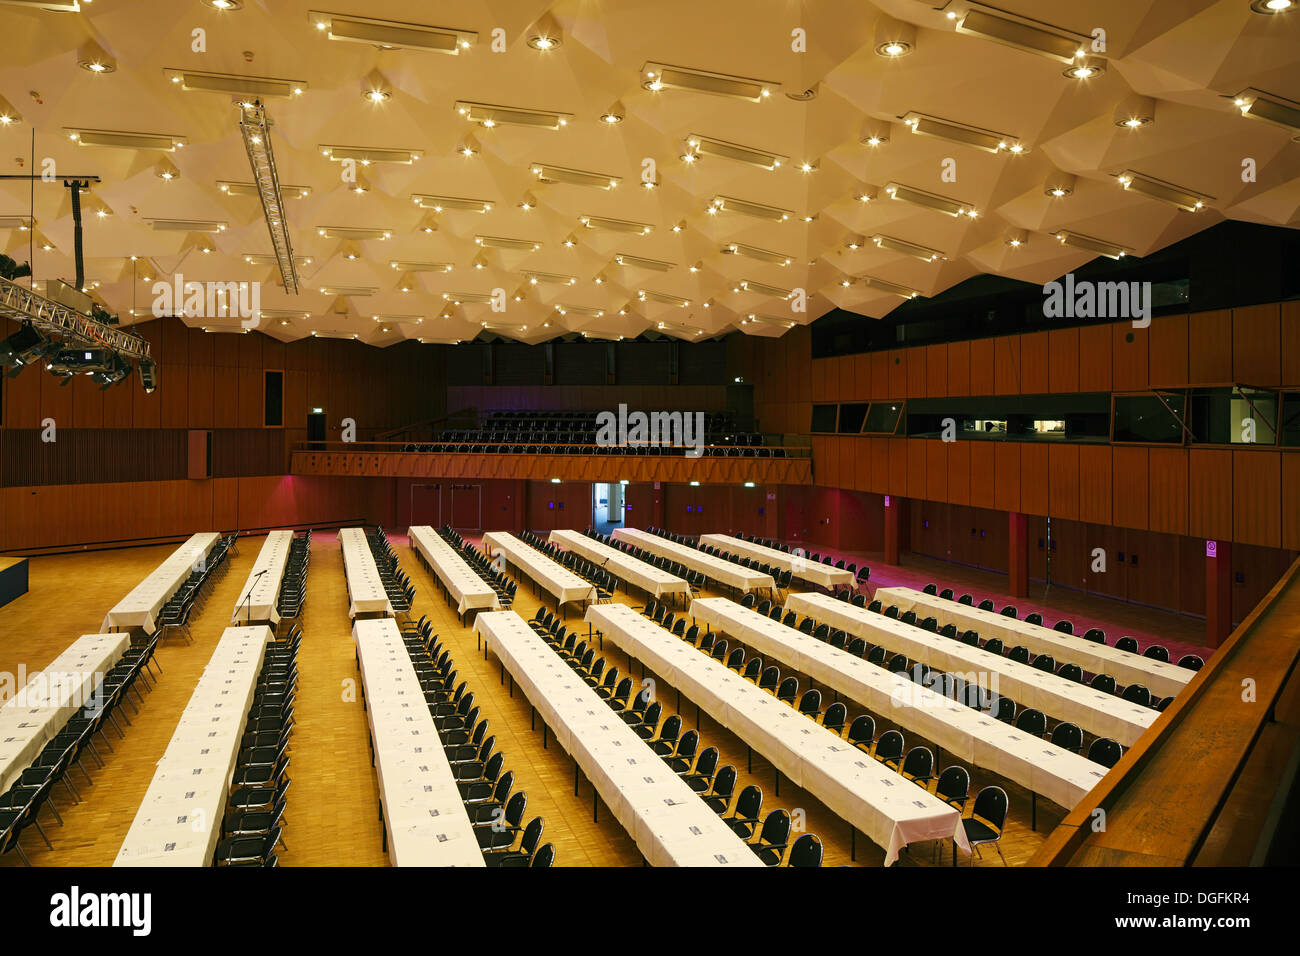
(1291, 502)
(1209, 493)
(1209, 347)
(982, 361)
(983, 469)
(1035, 480)
(936, 361)
(898, 470)
(1006, 365)
(1168, 359)
(1063, 486)
(1063, 346)
(916, 467)
(862, 377)
(1129, 352)
(199, 396)
(1257, 498)
(1129, 498)
(880, 376)
(1095, 484)
(88, 403)
(936, 470)
(1256, 345)
(1167, 486)
(958, 368)
(1035, 363)
(917, 371)
(1006, 476)
(1290, 336)
(897, 373)
(1095, 366)
(959, 456)
(879, 465)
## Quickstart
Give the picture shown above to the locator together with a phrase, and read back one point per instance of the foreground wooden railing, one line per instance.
(381, 459)
(1205, 786)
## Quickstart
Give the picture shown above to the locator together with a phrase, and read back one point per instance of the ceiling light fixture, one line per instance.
(393, 35)
(1086, 68)
(894, 38)
(353, 232)
(754, 252)
(658, 76)
(928, 200)
(1271, 7)
(753, 209)
(962, 134)
(365, 155)
(235, 84)
(760, 288)
(1135, 111)
(617, 225)
(639, 262)
(488, 115)
(502, 242)
(250, 190)
(1256, 104)
(187, 225)
(405, 266)
(1022, 33)
(1108, 249)
(893, 288)
(903, 247)
(454, 203)
(663, 298)
(1059, 185)
(573, 177)
(1164, 192)
(120, 140)
(750, 156)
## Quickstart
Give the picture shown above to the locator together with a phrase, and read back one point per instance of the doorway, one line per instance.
(607, 505)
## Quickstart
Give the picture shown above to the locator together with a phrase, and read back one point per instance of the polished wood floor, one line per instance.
(333, 799)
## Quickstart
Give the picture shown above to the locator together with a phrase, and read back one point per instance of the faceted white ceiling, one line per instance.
(1189, 58)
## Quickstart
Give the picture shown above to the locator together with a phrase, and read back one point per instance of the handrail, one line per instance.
(560, 448)
(1159, 804)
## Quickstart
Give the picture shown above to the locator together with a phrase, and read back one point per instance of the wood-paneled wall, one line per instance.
(703, 398)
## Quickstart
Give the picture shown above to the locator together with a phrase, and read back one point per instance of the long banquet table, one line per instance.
(801, 567)
(365, 588)
(654, 581)
(1163, 680)
(467, 589)
(259, 596)
(1105, 715)
(874, 799)
(424, 816)
(546, 573)
(49, 698)
(141, 605)
(669, 823)
(179, 820)
(718, 569)
(972, 735)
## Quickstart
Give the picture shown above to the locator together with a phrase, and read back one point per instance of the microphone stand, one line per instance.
(246, 603)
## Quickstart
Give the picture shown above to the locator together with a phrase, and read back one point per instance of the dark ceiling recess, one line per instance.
(1230, 264)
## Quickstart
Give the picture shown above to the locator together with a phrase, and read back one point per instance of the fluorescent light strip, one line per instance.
(753, 209)
(1107, 249)
(416, 319)
(358, 290)
(763, 159)
(187, 225)
(649, 295)
(902, 246)
(749, 285)
(502, 242)
(234, 84)
(584, 310)
(332, 334)
(421, 266)
(1020, 32)
(392, 34)
(250, 190)
(638, 262)
(753, 252)
(120, 140)
(261, 259)
(453, 203)
(550, 278)
(573, 177)
(352, 232)
(460, 298)
(51, 6)
(617, 225)
(659, 76)
(16, 222)
(365, 155)
(283, 314)
(1162, 191)
(928, 200)
(1255, 104)
(960, 133)
(893, 288)
(486, 114)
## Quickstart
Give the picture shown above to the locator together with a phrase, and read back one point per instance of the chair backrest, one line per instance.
(874, 606)
(790, 619)
(1137, 694)
(724, 783)
(1019, 654)
(1127, 644)
(1069, 736)
(908, 617)
(811, 702)
(719, 651)
(1157, 652)
(708, 762)
(789, 689)
(946, 594)
(544, 858)
(1010, 611)
(876, 655)
(1065, 627)
(753, 668)
(806, 851)
(1105, 751)
(993, 645)
(986, 605)
(687, 745)
(692, 634)
(706, 642)
(1071, 672)
(953, 784)
(750, 802)
(747, 600)
(532, 835)
(1034, 618)
(857, 647)
(966, 599)
(1045, 662)
(837, 639)
(919, 762)
(862, 730)
(671, 729)
(771, 676)
(1095, 634)
(624, 691)
(1032, 721)
(515, 808)
(892, 611)
(835, 716)
(776, 828)
(931, 589)
(890, 745)
(822, 631)
(806, 625)
(858, 600)
(1104, 682)
(991, 804)
(1191, 661)
(736, 658)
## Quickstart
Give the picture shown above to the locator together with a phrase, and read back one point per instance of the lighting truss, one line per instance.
(255, 128)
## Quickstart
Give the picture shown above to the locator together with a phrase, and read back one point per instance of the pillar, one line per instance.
(893, 519)
(1018, 554)
(1218, 592)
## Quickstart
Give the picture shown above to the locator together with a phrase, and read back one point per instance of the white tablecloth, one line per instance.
(259, 596)
(462, 582)
(1163, 680)
(179, 820)
(423, 810)
(141, 606)
(877, 801)
(971, 735)
(668, 821)
(802, 567)
(652, 580)
(48, 699)
(365, 589)
(717, 569)
(551, 575)
(1105, 715)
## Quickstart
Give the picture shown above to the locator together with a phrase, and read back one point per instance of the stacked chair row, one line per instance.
(253, 824)
(696, 579)
(952, 785)
(194, 591)
(21, 805)
(495, 812)
(603, 581)
(768, 837)
(1102, 750)
(483, 566)
(401, 592)
(293, 589)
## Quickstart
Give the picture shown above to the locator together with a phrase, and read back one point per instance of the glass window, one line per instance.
(882, 418)
(1234, 416)
(1155, 417)
(851, 418)
(823, 417)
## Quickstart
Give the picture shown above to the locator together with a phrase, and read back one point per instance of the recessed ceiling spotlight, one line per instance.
(227, 5)
(1017, 238)
(1086, 69)
(1135, 112)
(544, 41)
(1270, 7)
(376, 95)
(804, 97)
(893, 48)
(894, 38)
